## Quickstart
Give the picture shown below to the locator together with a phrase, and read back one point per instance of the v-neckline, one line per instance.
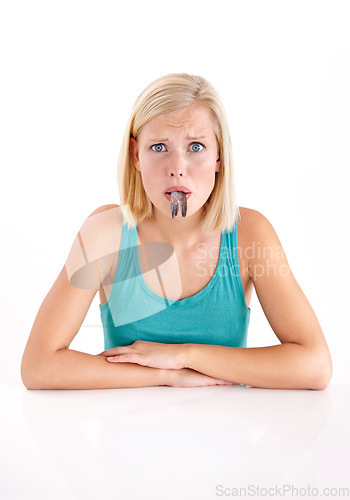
(185, 300)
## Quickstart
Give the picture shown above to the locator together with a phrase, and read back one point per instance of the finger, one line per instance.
(123, 358)
(116, 350)
(109, 352)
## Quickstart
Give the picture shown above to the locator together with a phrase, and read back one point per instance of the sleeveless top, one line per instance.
(216, 315)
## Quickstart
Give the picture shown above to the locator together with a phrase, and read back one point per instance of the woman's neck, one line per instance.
(181, 232)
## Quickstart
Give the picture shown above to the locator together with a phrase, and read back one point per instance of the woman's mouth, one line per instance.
(167, 195)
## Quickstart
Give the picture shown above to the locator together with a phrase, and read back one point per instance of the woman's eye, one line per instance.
(157, 148)
(197, 145)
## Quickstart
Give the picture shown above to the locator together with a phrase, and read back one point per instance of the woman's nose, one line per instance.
(177, 165)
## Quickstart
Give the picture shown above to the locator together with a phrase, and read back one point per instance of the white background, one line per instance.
(70, 72)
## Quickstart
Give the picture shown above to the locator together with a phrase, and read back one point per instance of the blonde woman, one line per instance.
(173, 270)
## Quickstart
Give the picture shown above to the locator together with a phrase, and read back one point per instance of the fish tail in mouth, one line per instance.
(184, 207)
(177, 197)
(174, 209)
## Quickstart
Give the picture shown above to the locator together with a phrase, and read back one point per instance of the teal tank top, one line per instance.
(216, 315)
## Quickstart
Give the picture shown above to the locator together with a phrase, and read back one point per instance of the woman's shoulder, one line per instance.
(105, 217)
(255, 231)
(250, 221)
(104, 208)
(250, 214)
(252, 227)
(101, 230)
(247, 220)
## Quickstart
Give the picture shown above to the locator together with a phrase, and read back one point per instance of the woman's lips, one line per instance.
(168, 196)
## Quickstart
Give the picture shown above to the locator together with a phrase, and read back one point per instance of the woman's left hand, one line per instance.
(152, 354)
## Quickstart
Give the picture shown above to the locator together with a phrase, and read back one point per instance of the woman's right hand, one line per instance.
(191, 378)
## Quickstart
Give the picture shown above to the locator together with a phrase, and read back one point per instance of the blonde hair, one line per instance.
(164, 95)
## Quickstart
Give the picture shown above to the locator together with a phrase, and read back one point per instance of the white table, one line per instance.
(173, 443)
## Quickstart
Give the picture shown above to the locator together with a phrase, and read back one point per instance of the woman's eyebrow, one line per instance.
(187, 137)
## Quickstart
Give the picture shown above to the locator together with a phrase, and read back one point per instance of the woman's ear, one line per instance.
(134, 152)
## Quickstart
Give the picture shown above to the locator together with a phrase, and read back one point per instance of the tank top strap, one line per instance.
(128, 245)
(233, 256)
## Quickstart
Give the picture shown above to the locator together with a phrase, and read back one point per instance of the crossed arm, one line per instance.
(301, 361)
(285, 366)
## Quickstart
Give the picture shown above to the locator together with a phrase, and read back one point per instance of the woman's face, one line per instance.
(178, 149)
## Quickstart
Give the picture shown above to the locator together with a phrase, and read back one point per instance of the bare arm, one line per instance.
(69, 369)
(303, 360)
(47, 361)
(285, 366)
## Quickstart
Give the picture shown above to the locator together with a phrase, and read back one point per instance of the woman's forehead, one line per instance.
(194, 120)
